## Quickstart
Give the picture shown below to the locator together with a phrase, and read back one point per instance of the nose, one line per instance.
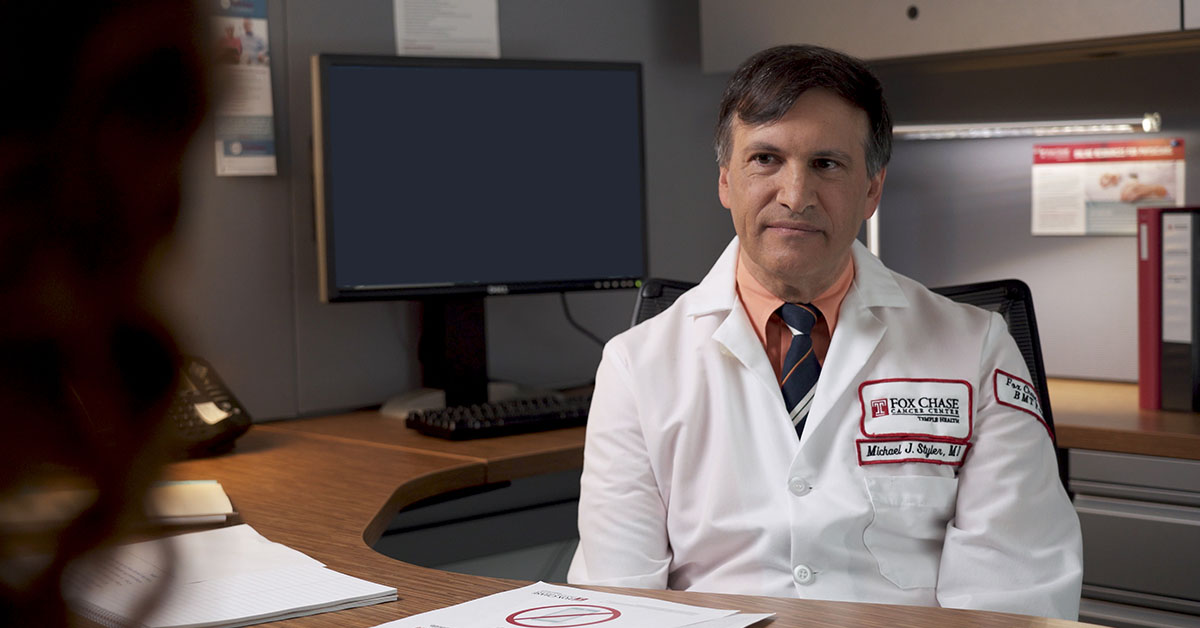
(795, 190)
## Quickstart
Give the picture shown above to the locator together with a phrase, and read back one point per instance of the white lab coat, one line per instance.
(694, 478)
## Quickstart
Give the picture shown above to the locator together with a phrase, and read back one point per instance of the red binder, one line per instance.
(1149, 267)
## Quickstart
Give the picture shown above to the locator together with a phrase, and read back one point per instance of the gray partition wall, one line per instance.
(242, 284)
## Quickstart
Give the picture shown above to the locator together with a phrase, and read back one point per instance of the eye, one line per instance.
(764, 159)
(822, 163)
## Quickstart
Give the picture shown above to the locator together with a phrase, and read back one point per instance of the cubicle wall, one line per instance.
(243, 290)
(244, 294)
(959, 211)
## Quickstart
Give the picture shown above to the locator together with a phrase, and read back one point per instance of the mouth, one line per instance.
(791, 227)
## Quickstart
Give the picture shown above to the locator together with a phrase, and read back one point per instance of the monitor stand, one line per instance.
(453, 355)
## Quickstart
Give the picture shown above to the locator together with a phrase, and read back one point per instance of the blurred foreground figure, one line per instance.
(101, 98)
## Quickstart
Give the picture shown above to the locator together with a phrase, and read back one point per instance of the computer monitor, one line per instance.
(448, 180)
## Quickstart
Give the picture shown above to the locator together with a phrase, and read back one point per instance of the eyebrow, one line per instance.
(829, 153)
(762, 147)
(834, 154)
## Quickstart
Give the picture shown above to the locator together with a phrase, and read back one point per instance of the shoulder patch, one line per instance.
(1014, 392)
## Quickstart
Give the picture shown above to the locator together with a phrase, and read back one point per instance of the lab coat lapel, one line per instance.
(736, 335)
(717, 294)
(857, 335)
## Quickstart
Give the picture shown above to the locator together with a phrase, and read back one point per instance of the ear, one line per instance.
(723, 187)
(875, 192)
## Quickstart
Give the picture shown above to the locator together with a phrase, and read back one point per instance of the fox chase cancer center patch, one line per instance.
(922, 408)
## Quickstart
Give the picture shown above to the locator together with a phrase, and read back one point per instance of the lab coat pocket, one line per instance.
(906, 535)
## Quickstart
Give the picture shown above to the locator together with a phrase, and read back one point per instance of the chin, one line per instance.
(790, 260)
(790, 270)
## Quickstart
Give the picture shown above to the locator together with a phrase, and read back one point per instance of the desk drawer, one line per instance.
(1146, 478)
(1141, 547)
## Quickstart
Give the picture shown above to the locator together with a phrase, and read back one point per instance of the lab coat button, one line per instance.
(799, 487)
(803, 574)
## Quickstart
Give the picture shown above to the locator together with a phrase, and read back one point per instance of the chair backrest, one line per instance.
(1012, 300)
(657, 295)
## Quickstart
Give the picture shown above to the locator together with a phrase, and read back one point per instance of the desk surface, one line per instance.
(1105, 416)
(329, 486)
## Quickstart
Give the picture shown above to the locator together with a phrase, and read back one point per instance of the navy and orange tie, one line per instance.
(800, 366)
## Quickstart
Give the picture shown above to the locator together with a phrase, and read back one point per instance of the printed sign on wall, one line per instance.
(244, 119)
(1096, 188)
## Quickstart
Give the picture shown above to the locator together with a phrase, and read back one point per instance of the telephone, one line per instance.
(206, 418)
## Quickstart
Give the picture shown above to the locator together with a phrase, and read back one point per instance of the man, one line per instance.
(229, 46)
(254, 48)
(909, 473)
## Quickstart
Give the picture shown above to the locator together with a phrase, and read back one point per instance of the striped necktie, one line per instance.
(800, 366)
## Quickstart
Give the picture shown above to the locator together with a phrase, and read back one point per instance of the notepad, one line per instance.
(188, 502)
(222, 578)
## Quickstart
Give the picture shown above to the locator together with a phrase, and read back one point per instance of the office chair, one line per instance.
(1010, 298)
(657, 295)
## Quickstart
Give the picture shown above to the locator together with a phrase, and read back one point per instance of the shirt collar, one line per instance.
(760, 303)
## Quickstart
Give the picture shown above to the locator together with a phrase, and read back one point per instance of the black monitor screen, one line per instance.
(484, 176)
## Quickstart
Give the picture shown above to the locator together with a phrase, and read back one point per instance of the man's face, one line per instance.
(798, 191)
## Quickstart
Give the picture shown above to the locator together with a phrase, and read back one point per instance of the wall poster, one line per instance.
(244, 114)
(1096, 188)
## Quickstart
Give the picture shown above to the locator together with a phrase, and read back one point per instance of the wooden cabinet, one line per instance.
(731, 30)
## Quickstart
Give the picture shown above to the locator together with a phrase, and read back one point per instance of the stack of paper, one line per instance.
(224, 577)
(188, 503)
(556, 606)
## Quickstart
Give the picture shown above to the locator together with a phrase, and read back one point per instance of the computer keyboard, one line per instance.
(501, 418)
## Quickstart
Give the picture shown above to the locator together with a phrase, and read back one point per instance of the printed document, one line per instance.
(548, 605)
(447, 28)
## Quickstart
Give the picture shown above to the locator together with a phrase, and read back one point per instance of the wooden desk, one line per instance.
(329, 486)
(506, 458)
(1105, 416)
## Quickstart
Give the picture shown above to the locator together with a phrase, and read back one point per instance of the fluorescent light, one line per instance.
(1148, 123)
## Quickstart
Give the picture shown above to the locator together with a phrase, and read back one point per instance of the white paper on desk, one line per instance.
(243, 599)
(556, 606)
(199, 556)
(224, 577)
(188, 502)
